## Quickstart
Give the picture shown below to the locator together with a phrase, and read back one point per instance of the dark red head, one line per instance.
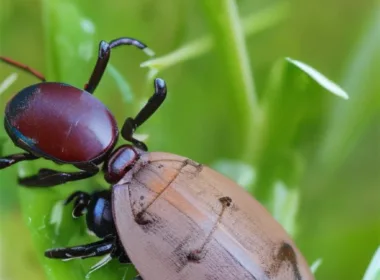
(120, 162)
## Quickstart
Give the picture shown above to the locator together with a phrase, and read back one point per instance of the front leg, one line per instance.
(12, 159)
(49, 178)
(99, 248)
(130, 124)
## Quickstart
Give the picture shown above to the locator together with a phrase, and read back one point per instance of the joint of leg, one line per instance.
(104, 49)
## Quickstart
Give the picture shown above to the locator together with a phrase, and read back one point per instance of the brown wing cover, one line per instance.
(174, 224)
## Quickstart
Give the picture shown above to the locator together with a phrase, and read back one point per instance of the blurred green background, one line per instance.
(236, 105)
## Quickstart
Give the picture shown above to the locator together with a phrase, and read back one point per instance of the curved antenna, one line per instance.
(23, 67)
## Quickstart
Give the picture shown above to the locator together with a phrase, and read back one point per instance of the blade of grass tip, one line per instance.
(289, 92)
(8, 82)
(349, 119)
(252, 24)
(316, 265)
(319, 78)
(373, 270)
(184, 53)
(265, 18)
(229, 38)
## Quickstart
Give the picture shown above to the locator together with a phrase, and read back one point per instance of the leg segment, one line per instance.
(81, 202)
(49, 178)
(99, 248)
(12, 159)
(120, 253)
(104, 56)
(23, 67)
(130, 125)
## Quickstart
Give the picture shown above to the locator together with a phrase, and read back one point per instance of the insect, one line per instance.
(176, 219)
(171, 217)
(68, 125)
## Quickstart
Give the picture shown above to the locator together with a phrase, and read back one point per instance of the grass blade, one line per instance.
(348, 121)
(229, 37)
(252, 24)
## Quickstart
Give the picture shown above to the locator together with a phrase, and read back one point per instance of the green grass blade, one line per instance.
(252, 24)
(69, 40)
(7, 83)
(284, 205)
(292, 92)
(348, 121)
(228, 33)
(373, 270)
(319, 78)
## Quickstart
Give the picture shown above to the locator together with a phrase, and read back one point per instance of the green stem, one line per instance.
(252, 24)
(229, 36)
(349, 121)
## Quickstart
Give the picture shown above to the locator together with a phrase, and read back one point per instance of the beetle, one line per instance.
(68, 125)
(170, 216)
(176, 219)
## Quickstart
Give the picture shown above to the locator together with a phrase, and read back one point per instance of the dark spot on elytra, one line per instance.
(195, 256)
(180, 253)
(141, 219)
(197, 165)
(226, 201)
(286, 253)
(142, 197)
(160, 166)
(150, 223)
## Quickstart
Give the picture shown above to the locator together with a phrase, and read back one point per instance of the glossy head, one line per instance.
(120, 162)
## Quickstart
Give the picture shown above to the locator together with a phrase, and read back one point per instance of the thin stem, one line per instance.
(229, 36)
(348, 121)
(252, 24)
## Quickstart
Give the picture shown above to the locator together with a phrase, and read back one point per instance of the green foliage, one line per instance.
(236, 102)
(373, 270)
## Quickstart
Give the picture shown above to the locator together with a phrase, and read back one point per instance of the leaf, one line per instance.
(319, 78)
(284, 205)
(7, 82)
(252, 24)
(70, 43)
(373, 269)
(347, 123)
(231, 47)
(292, 93)
(316, 265)
(7, 195)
